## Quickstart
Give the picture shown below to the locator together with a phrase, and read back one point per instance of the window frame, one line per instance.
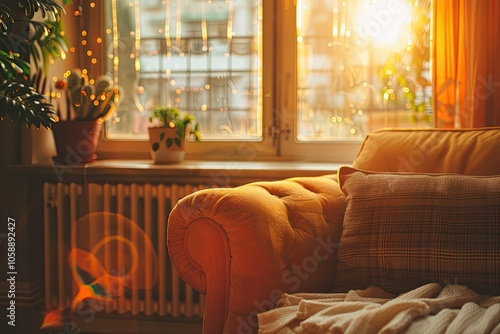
(341, 151)
(279, 110)
(243, 150)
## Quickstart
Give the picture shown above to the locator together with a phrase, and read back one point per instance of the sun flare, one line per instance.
(385, 22)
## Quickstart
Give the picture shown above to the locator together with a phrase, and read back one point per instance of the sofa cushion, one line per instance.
(404, 230)
(463, 151)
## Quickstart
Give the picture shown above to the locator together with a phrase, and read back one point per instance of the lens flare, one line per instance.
(109, 255)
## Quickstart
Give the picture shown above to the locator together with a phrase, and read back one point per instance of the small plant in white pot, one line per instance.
(167, 138)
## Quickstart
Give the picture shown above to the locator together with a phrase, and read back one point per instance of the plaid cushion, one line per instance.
(405, 230)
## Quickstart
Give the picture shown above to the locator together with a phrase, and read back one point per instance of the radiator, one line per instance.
(115, 231)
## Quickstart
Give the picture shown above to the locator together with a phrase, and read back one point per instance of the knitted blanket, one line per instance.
(430, 308)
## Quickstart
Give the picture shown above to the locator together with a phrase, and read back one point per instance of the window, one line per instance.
(361, 65)
(291, 78)
(203, 57)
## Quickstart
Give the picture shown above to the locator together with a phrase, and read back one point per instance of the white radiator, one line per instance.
(118, 231)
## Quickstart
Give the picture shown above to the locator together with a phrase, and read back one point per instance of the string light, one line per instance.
(137, 41)
(168, 42)
(116, 60)
(230, 31)
(204, 34)
(178, 25)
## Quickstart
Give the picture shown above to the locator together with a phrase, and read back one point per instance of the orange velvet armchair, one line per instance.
(245, 246)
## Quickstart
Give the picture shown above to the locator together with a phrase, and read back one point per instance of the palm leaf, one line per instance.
(6, 19)
(26, 104)
(45, 42)
(12, 65)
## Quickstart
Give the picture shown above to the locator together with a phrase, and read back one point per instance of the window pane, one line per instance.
(203, 57)
(362, 65)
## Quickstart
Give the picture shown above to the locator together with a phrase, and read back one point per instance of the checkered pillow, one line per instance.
(404, 230)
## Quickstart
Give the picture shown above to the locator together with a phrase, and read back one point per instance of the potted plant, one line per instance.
(167, 137)
(32, 36)
(24, 39)
(88, 104)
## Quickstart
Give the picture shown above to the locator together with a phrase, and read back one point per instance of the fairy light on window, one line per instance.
(178, 25)
(335, 27)
(116, 60)
(137, 41)
(343, 19)
(348, 23)
(230, 25)
(168, 41)
(204, 34)
(407, 25)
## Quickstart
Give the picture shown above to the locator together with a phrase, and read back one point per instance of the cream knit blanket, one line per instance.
(428, 309)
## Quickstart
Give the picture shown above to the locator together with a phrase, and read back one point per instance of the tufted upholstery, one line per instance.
(249, 244)
(244, 246)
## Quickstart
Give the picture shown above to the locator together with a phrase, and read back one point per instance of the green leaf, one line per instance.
(24, 103)
(421, 108)
(197, 136)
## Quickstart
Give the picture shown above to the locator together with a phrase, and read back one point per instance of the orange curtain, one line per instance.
(466, 63)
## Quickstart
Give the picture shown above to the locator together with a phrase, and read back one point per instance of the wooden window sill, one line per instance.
(218, 173)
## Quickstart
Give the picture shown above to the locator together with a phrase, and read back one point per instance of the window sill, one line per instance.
(217, 173)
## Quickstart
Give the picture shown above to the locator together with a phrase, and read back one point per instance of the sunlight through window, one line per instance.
(362, 65)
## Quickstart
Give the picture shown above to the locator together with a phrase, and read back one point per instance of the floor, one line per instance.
(29, 321)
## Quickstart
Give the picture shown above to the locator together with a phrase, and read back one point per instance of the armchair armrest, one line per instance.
(243, 247)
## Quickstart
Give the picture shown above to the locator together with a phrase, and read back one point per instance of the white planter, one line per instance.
(38, 147)
(163, 145)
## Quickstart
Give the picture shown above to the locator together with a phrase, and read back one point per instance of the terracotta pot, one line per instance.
(76, 141)
(163, 145)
